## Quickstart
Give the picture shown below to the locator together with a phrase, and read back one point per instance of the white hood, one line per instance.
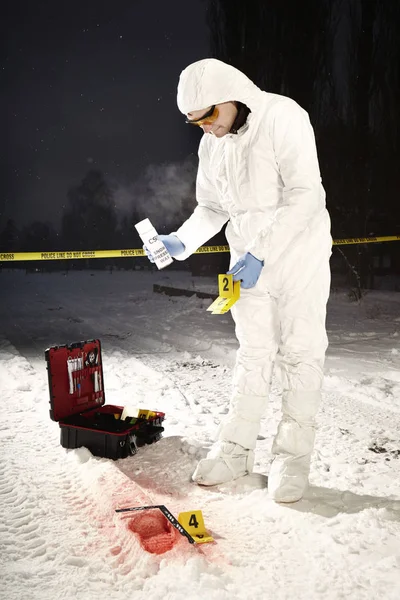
(211, 81)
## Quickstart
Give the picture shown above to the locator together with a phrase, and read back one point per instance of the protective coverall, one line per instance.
(265, 183)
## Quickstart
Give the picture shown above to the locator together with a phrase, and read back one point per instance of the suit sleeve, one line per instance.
(208, 217)
(303, 196)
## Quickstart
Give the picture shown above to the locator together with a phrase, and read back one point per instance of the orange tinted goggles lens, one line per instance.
(207, 119)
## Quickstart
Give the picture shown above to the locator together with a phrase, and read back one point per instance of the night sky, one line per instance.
(91, 84)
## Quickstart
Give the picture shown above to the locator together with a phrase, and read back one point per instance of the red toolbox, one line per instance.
(77, 402)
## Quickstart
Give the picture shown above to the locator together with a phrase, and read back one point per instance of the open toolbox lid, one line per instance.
(75, 373)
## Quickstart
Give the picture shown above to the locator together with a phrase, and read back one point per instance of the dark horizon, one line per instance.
(91, 88)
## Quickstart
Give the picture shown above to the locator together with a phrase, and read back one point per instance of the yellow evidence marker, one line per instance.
(193, 522)
(229, 293)
(145, 414)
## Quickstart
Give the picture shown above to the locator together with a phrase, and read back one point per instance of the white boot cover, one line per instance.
(292, 447)
(288, 478)
(225, 462)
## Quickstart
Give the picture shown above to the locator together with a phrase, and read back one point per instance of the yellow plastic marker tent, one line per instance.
(229, 293)
(193, 522)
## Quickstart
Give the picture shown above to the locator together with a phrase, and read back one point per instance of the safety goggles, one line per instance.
(207, 119)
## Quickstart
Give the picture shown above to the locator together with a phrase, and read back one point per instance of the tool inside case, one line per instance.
(76, 380)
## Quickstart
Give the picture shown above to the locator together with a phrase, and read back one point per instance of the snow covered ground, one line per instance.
(60, 537)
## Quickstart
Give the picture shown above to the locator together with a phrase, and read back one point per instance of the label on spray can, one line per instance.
(149, 237)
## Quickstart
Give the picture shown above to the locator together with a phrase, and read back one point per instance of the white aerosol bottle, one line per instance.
(148, 235)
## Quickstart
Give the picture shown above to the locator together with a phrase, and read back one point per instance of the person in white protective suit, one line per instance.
(258, 171)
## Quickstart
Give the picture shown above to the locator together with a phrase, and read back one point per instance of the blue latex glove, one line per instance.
(247, 270)
(172, 243)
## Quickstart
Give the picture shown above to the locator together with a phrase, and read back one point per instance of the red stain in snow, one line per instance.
(155, 532)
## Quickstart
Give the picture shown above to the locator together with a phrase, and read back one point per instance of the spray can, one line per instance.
(148, 235)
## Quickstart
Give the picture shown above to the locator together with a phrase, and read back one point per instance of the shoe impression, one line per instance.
(225, 462)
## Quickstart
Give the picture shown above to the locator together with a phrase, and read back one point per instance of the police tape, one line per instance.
(70, 255)
(128, 253)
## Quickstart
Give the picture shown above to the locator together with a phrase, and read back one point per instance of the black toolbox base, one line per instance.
(88, 431)
(106, 445)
